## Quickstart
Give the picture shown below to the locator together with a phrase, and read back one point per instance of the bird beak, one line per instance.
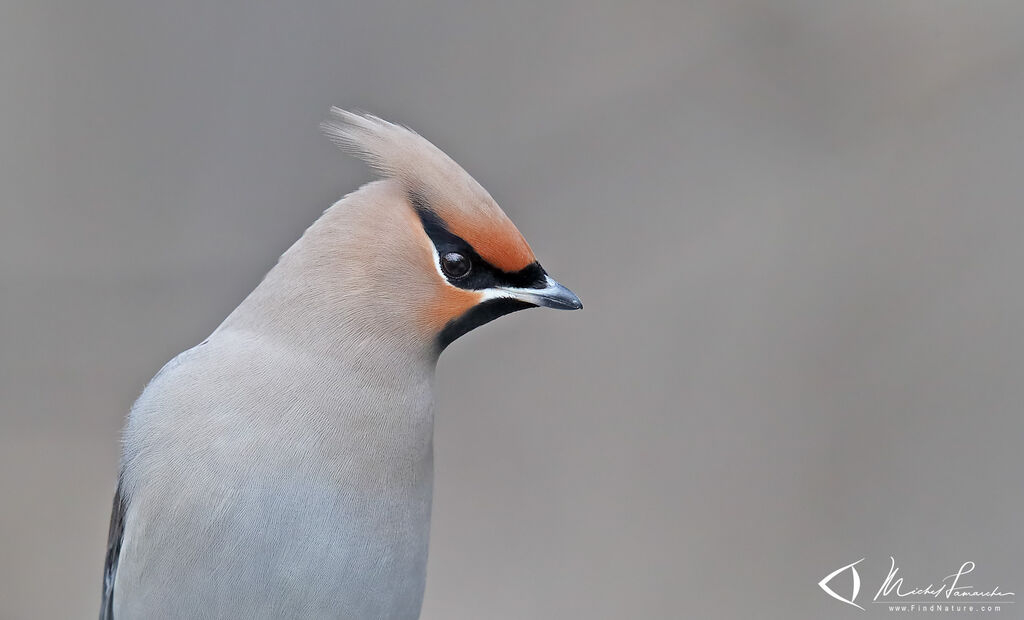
(554, 295)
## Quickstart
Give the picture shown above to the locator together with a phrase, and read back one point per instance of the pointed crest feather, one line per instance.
(463, 204)
(393, 150)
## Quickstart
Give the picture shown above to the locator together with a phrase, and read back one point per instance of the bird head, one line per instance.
(454, 259)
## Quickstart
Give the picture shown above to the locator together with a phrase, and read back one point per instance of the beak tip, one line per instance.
(563, 299)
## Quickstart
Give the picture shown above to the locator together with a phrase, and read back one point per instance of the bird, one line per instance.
(283, 467)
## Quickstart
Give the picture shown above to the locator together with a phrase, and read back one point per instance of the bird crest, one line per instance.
(435, 183)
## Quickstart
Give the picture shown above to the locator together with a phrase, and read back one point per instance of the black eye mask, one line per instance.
(481, 274)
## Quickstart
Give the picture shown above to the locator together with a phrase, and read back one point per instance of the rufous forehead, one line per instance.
(495, 238)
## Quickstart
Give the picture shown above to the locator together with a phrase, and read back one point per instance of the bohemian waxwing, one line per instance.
(283, 467)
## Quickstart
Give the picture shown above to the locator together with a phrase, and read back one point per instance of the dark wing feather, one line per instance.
(113, 553)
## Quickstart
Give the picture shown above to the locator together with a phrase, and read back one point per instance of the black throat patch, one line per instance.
(484, 312)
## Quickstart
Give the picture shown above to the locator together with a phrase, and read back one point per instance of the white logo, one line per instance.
(823, 584)
(948, 594)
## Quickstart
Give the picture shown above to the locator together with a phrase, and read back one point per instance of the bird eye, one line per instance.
(455, 265)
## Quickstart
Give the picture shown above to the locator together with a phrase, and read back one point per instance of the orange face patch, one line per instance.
(496, 240)
(450, 304)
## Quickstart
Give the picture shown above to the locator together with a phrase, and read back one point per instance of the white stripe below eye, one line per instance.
(526, 294)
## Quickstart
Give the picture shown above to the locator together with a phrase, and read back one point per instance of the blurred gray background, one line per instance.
(797, 228)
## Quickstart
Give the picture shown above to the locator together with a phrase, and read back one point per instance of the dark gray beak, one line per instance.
(554, 295)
